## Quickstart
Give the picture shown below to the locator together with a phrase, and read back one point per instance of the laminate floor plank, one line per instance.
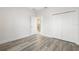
(39, 43)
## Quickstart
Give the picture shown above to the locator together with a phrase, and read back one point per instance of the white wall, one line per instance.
(62, 26)
(14, 23)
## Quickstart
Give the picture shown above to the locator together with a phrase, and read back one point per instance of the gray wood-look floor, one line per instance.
(39, 43)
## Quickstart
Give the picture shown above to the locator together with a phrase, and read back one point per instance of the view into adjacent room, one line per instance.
(39, 29)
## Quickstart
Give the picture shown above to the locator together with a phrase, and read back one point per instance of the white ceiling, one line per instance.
(50, 10)
(37, 8)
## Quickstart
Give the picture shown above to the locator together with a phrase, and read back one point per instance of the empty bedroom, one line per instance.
(39, 28)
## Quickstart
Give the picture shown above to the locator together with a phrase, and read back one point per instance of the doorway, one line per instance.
(38, 24)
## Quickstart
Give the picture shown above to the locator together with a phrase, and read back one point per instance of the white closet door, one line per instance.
(65, 26)
(56, 27)
(70, 27)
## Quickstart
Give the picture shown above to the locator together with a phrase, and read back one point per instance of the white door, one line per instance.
(33, 25)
